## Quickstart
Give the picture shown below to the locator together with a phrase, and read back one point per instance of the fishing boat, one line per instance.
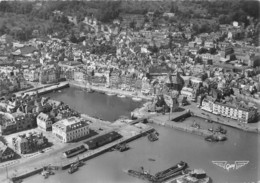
(121, 96)
(137, 99)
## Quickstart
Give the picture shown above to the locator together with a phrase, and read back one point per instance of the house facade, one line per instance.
(234, 110)
(44, 122)
(70, 129)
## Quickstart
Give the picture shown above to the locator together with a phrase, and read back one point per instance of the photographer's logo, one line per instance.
(236, 165)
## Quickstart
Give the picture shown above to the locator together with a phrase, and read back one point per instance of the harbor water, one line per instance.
(172, 147)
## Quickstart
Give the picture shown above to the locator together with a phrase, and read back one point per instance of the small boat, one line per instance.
(73, 168)
(152, 137)
(137, 99)
(211, 139)
(45, 174)
(151, 159)
(59, 91)
(110, 94)
(221, 130)
(195, 125)
(121, 96)
(211, 130)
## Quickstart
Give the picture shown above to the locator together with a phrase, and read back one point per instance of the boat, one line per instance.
(211, 130)
(216, 138)
(141, 175)
(45, 174)
(121, 96)
(137, 99)
(211, 138)
(195, 125)
(89, 90)
(110, 94)
(197, 175)
(151, 159)
(73, 168)
(221, 130)
(122, 147)
(59, 91)
(171, 171)
(152, 137)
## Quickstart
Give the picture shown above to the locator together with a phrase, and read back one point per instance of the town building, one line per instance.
(70, 129)
(44, 121)
(17, 121)
(29, 143)
(6, 153)
(231, 109)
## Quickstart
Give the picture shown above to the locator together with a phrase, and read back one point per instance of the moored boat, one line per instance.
(197, 175)
(121, 96)
(137, 99)
(141, 175)
(177, 168)
(110, 94)
(73, 168)
(152, 137)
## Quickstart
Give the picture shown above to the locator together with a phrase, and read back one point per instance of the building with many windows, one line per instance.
(235, 110)
(44, 121)
(70, 129)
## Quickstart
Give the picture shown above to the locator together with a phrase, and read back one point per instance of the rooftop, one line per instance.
(70, 123)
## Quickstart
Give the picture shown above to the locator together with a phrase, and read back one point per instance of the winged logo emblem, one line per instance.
(225, 165)
(240, 164)
(221, 164)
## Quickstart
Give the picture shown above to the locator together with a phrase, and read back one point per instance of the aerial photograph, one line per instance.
(130, 91)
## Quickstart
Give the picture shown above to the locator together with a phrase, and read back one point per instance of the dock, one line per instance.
(181, 127)
(65, 163)
(108, 90)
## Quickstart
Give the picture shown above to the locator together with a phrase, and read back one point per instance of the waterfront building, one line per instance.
(70, 129)
(31, 75)
(44, 122)
(6, 153)
(29, 143)
(232, 109)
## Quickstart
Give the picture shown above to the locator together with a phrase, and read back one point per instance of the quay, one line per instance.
(108, 90)
(180, 126)
(63, 164)
(194, 111)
